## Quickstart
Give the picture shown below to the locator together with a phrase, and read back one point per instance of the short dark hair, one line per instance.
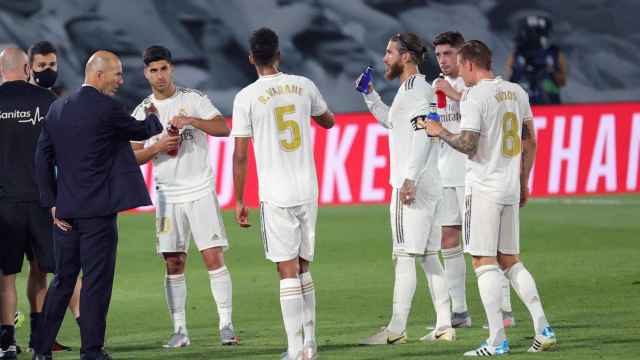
(477, 52)
(264, 46)
(156, 53)
(41, 48)
(411, 43)
(451, 38)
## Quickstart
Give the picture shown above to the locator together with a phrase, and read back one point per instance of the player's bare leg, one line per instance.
(176, 293)
(310, 350)
(455, 270)
(525, 286)
(292, 306)
(74, 303)
(221, 289)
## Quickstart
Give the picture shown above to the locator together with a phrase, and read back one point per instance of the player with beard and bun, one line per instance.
(417, 191)
(498, 136)
(275, 111)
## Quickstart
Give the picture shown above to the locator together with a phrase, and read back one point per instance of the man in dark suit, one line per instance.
(86, 136)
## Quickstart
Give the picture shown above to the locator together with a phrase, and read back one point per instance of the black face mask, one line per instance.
(45, 78)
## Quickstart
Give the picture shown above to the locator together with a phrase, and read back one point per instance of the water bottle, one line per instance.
(364, 80)
(173, 131)
(433, 114)
(442, 97)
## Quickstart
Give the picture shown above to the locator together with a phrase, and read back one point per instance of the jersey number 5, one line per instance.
(285, 126)
(510, 135)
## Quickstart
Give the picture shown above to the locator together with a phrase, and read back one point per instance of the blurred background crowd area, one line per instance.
(329, 41)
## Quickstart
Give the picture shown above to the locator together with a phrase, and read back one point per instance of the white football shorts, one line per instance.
(415, 228)
(288, 232)
(452, 206)
(178, 223)
(490, 227)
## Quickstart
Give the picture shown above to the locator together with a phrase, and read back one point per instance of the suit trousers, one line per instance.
(89, 246)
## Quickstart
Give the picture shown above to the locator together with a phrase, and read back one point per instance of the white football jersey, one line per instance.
(276, 111)
(496, 109)
(187, 176)
(451, 161)
(412, 153)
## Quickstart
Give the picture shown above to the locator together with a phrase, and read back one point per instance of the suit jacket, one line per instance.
(86, 137)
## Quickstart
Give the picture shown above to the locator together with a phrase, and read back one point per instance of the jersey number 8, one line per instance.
(510, 135)
(290, 125)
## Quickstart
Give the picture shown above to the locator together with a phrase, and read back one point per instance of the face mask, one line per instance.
(45, 78)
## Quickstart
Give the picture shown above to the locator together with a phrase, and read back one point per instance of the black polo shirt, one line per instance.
(23, 107)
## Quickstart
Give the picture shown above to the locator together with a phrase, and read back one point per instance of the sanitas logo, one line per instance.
(24, 116)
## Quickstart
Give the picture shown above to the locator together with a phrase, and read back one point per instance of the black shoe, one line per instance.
(37, 356)
(102, 355)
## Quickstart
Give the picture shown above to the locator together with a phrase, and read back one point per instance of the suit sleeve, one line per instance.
(45, 169)
(129, 128)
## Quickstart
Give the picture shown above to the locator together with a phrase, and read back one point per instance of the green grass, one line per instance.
(584, 256)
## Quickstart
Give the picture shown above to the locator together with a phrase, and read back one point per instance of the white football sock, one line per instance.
(490, 285)
(221, 289)
(176, 292)
(455, 270)
(292, 309)
(525, 287)
(308, 307)
(438, 289)
(506, 294)
(403, 289)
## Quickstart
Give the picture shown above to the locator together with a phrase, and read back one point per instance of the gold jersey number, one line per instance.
(511, 144)
(291, 126)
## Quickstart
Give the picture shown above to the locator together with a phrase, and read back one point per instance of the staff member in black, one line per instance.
(86, 135)
(43, 62)
(25, 226)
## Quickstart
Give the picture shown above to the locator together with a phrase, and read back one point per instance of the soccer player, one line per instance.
(452, 170)
(187, 206)
(498, 136)
(275, 112)
(417, 191)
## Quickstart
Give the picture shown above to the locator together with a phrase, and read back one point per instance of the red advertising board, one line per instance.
(582, 149)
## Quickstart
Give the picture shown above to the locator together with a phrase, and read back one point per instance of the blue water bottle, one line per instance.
(433, 114)
(363, 83)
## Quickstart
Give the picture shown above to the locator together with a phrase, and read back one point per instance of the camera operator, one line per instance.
(537, 64)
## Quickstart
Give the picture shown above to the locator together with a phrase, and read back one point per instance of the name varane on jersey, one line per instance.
(275, 111)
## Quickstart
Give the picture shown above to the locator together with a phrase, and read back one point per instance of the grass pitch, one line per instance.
(583, 253)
